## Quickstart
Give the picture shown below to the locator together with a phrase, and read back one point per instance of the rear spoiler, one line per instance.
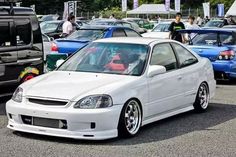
(202, 31)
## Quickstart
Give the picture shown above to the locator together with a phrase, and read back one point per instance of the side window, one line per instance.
(185, 57)
(131, 33)
(5, 37)
(118, 33)
(163, 55)
(23, 32)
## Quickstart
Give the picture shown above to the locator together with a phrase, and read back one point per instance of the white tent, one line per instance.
(232, 10)
(151, 9)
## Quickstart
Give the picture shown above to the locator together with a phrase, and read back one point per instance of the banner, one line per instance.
(177, 5)
(221, 10)
(70, 8)
(167, 3)
(135, 4)
(206, 9)
(124, 5)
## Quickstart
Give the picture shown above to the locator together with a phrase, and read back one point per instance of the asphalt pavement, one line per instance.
(208, 134)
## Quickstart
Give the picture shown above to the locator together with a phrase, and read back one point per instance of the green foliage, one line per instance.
(106, 13)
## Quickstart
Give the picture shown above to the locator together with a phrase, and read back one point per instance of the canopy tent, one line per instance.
(232, 10)
(151, 9)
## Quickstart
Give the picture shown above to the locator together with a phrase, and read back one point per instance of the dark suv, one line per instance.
(21, 48)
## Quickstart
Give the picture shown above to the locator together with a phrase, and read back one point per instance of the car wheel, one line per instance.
(202, 99)
(130, 119)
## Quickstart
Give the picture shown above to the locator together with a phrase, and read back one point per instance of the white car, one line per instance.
(161, 31)
(111, 88)
(47, 42)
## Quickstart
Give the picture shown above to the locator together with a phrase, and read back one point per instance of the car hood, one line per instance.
(162, 35)
(71, 85)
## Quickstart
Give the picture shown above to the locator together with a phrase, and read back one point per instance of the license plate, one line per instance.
(45, 122)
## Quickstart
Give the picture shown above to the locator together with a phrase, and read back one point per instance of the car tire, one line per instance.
(202, 99)
(130, 119)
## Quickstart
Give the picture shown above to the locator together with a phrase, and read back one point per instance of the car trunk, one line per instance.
(70, 46)
(210, 52)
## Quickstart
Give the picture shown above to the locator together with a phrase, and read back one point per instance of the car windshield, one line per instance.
(109, 58)
(214, 24)
(162, 27)
(211, 39)
(48, 27)
(87, 34)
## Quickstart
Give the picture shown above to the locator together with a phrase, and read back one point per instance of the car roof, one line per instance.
(131, 40)
(5, 10)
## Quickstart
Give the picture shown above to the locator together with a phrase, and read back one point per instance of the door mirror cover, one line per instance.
(154, 70)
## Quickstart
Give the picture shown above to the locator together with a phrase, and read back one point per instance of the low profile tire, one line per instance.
(130, 119)
(202, 99)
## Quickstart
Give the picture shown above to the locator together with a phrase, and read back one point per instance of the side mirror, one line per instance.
(59, 62)
(154, 70)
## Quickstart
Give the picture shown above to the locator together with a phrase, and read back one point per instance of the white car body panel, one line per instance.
(161, 96)
(159, 35)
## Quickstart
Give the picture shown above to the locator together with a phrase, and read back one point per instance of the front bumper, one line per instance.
(227, 68)
(78, 120)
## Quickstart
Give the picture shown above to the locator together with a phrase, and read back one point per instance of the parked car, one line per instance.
(111, 88)
(44, 18)
(47, 42)
(85, 35)
(217, 23)
(143, 23)
(21, 48)
(219, 47)
(54, 28)
(160, 31)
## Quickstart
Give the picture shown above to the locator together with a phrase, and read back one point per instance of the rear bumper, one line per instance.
(225, 69)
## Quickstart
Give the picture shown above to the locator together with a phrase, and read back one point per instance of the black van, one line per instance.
(21, 47)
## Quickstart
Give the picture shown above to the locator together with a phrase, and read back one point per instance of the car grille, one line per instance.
(47, 102)
(44, 122)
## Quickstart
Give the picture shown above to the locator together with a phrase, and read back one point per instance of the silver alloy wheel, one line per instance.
(133, 117)
(204, 96)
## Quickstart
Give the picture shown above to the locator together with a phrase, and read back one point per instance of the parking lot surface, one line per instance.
(208, 134)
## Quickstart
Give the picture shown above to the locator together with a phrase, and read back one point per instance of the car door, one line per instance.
(165, 90)
(189, 71)
(29, 54)
(8, 52)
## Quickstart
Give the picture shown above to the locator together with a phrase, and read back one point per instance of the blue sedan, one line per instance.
(219, 46)
(85, 35)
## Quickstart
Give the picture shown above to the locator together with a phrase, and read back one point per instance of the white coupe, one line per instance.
(111, 88)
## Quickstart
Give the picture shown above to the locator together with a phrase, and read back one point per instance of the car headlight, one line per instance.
(94, 101)
(17, 95)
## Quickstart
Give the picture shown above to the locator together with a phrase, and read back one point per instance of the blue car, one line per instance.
(85, 35)
(219, 46)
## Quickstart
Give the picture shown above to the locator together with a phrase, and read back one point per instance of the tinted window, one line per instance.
(49, 27)
(23, 32)
(5, 37)
(163, 55)
(185, 57)
(119, 33)
(211, 39)
(131, 33)
(87, 34)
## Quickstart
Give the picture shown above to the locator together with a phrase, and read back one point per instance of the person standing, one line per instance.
(191, 25)
(199, 20)
(67, 27)
(174, 27)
